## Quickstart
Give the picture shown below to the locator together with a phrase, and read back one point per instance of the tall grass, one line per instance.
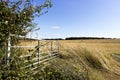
(77, 61)
(86, 65)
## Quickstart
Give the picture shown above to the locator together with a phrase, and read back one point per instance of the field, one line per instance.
(86, 60)
(90, 59)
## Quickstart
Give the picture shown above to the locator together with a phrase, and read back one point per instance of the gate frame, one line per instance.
(9, 49)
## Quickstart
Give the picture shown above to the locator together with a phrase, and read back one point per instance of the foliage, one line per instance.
(13, 70)
(16, 16)
(16, 69)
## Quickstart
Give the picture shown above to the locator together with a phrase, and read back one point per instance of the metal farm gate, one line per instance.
(44, 51)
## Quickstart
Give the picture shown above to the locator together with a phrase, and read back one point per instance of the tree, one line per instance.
(16, 16)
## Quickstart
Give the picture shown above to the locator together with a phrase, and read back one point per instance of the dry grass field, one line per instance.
(87, 59)
(91, 59)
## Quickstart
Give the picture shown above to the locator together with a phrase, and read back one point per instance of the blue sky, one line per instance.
(81, 18)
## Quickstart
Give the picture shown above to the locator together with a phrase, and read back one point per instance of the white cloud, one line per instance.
(56, 27)
(56, 35)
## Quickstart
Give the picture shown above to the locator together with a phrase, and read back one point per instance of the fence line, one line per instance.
(41, 56)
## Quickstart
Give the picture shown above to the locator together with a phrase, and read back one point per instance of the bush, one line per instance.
(15, 70)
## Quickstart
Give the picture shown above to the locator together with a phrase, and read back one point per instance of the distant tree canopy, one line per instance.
(16, 16)
(85, 38)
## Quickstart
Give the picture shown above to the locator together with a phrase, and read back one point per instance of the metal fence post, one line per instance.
(51, 48)
(38, 52)
(58, 45)
(8, 51)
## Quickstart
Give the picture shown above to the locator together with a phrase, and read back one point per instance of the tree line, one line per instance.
(84, 38)
(78, 38)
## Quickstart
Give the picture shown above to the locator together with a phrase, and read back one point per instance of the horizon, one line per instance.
(96, 18)
(71, 37)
